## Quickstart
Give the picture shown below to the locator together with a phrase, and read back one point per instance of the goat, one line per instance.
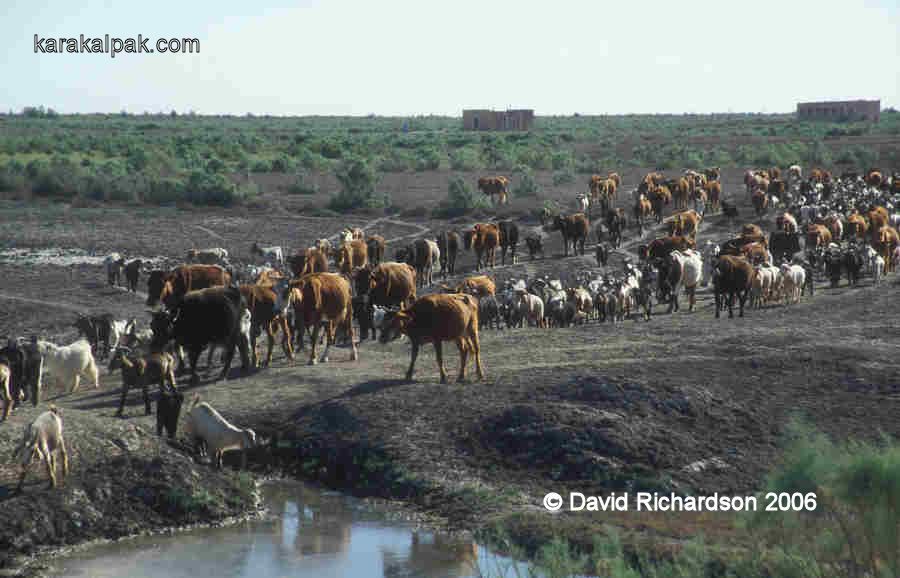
(274, 254)
(101, 330)
(168, 408)
(142, 371)
(69, 362)
(210, 429)
(42, 438)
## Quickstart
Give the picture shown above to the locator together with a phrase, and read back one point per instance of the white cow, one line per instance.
(531, 308)
(691, 264)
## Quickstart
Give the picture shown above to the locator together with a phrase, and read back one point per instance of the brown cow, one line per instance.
(760, 201)
(615, 178)
(314, 260)
(686, 223)
(479, 286)
(713, 194)
(877, 218)
(169, 287)
(641, 210)
(856, 225)
(423, 260)
(392, 284)
(574, 228)
(884, 240)
(787, 223)
(732, 276)
(448, 244)
(267, 309)
(495, 186)
(484, 240)
(756, 253)
(750, 229)
(817, 236)
(438, 318)
(660, 248)
(325, 301)
(351, 255)
(599, 188)
(874, 178)
(681, 190)
(376, 246)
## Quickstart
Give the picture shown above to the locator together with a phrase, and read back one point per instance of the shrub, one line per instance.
(207, 189)
(429, 159)
(261, 166)
(563, 177)
(282, 164)
(465, 159)
(358, 187)
(527, 185)
(161, 191)
(301, 187)
(461, 200)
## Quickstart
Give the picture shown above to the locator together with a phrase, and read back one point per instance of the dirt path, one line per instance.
(55, 304)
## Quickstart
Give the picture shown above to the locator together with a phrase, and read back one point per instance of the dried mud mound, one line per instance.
(614, 434)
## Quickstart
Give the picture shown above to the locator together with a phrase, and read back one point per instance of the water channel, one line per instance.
(307, 532)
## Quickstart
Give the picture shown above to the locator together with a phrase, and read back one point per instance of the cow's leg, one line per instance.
(691, 298)
(354, 351)
(122, 400)
(476, 350)
(286, 338)
(193, 356)
(51, 465)
(463, 345)
(209, 356)
(414, 353)
(146, 388)
(315, 343)
(75, 384)
(439, 355)
(718, 303)
(270, 336)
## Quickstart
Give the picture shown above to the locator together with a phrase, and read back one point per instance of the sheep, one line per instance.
(142, 371)
(70, 362)
(210, 429)
(42, 438)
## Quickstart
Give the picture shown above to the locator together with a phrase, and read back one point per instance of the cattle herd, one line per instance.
(824, 225)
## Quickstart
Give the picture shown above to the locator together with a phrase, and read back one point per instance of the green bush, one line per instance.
(465, 159)
(162, 191)
(428, 159)
(526, 185)
(461, 200)
(301, 187)
(282, 164)
(359, 182)
(203, 188)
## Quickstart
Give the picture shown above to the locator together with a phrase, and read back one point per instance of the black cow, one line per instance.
(206, 317)
(535, 246)
(784, 245)
(509, 239)
(25, 365)
(853, 264)
(834, 263)
(364, 313)
(132, 274)
(489, 312)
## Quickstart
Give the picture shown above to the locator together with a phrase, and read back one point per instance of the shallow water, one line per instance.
(308, 532)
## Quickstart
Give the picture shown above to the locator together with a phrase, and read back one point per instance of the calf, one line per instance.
(132, 274)
(535, 246)
(168, 409)
(42, 438)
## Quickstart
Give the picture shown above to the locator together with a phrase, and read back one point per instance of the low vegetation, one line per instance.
(171, 158)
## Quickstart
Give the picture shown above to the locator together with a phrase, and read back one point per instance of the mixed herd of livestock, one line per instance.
(847, 226)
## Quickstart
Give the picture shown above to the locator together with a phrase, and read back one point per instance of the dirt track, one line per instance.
(591, 408)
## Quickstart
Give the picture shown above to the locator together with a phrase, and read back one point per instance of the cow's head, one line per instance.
(394, 325)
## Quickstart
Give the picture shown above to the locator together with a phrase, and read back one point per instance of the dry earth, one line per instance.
(683, 403)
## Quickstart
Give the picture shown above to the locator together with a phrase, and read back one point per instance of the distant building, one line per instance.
(840, 111)
(476, 119)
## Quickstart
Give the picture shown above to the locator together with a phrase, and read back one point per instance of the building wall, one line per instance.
(483, 119)
(842, 110)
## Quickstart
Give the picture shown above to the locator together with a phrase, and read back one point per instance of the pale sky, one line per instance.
(411, 57)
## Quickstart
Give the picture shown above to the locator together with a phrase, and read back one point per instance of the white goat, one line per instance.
(210, 429)
(68, 363)
(275, 254)
(212, 256)
(113, 263)
(42, 438)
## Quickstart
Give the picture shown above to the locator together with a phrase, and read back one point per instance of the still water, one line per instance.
(308, 532)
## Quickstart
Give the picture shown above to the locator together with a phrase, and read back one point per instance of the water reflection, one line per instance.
(308, 533)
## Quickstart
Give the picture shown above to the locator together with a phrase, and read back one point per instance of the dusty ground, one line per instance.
(684, 403)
